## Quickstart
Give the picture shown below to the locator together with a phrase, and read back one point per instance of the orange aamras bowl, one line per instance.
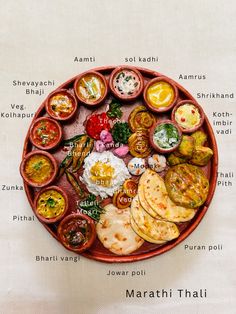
(38, 168)
(91, 88)
(160, 94)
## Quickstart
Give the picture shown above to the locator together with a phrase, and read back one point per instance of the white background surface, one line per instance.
(38, 41)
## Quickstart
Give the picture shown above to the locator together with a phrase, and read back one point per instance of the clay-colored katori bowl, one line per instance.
(154, 143)
(126, 83)
(61, 105)
(38, 168)
(160, 94)
(91, 88)
(70, 226)
(45, 133)
(51, 204)
(184, 116)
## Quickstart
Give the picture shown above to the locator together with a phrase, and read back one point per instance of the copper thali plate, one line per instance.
(76, 126)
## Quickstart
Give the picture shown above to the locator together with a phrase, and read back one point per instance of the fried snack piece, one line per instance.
(186, 147)
(121, 200)
(156, 229)
(140, 117)
(115, 232)
(175, 160)
(200, 138)
(139, 143)
(201, 156)
(187, 185)
(183, 152)
(130, 187)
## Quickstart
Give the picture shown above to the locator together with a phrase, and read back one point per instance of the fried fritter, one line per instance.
(200, 138)
(175, 160)
(186, 147)
(201, 156)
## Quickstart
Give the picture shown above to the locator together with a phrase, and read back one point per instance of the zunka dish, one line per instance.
(38, 169)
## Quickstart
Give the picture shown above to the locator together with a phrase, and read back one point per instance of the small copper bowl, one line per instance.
(88, 102)
(153, 81)
(57, 218)
(52, 175)
(77, 217)
(63, 92)
(199, 108)
(55, 143)
(116, 93)
(161, 149)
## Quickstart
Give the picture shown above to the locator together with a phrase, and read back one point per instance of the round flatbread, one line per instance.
(143, 201)
(178, 213)
(143, 235)
(157, 198)
(115, 232)
(156, 229)
(187, 185)
(154, 191)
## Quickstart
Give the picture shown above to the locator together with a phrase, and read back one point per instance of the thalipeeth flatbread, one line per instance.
(187, 185)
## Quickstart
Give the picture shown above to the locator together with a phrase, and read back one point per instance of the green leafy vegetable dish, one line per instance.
(121, 132)
(114, 110)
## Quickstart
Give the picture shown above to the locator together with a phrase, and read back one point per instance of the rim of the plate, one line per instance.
(197, 219)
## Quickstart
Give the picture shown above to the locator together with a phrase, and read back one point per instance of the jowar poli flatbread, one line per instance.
(115, 232)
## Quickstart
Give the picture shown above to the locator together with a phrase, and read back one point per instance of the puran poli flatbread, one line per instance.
(156, 196)
(115, 232)
(143, 201)
(156, 229)
(143, 235)
(178, 213)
